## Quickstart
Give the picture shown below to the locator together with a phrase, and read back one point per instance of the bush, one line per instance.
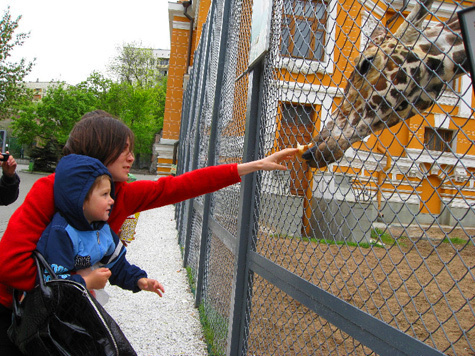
(45, 158)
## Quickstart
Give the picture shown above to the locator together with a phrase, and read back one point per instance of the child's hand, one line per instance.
(95, 279)
(151, 285)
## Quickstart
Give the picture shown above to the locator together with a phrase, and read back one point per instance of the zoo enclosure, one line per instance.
(373, 254)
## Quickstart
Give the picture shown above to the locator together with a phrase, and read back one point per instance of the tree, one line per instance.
(136, 65)
(12, 91)
(138, 98)
(52, 118)
(141, 109)
(45, 158)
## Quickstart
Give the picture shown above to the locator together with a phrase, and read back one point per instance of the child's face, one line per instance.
(99, 204)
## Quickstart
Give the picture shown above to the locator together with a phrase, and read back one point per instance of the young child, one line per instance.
(78, 243)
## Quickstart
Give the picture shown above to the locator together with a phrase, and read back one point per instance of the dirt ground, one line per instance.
(418, 284)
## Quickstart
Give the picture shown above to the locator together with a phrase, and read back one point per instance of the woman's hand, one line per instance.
(269, 163)
(151, 285)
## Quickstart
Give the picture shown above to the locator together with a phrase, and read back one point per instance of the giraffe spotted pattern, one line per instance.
(396, 77)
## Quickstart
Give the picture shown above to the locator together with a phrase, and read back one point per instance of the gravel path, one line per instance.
(158, 326)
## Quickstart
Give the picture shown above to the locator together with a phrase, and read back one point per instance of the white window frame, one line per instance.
(305, 66)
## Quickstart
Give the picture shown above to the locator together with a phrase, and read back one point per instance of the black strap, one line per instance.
(41, 265)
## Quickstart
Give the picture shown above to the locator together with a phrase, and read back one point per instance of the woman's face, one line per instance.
(120, 168)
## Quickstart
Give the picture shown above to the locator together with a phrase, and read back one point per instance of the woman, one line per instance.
(98, 134)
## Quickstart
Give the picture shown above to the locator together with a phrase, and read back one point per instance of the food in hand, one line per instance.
(303, 149)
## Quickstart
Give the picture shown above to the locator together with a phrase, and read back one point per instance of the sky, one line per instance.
(71, 39)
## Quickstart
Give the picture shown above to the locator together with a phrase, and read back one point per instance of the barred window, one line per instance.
(296, 114)
(438, 139)
(297, 125)
(303, 32)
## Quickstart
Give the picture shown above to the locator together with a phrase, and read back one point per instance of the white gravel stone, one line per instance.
(158, 326)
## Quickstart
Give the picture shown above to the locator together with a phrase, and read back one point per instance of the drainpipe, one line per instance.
(382, 174)
(186, 5)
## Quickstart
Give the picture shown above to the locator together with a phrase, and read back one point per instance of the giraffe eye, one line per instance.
(365, 65)
(402, 106)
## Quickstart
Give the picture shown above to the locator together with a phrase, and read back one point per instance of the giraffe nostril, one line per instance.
(365, 65)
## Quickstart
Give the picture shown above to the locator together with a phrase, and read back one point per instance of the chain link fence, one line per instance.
(367, 246)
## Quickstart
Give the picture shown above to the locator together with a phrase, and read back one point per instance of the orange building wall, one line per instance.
(177, 69)
(410, 134)
(200, 19)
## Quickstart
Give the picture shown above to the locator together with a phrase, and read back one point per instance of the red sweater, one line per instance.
(27, 223)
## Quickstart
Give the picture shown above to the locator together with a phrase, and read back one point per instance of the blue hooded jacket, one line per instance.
(70, 243)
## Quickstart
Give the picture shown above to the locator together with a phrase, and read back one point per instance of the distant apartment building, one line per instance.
(40, 88)
(141, 65)
(163, 60)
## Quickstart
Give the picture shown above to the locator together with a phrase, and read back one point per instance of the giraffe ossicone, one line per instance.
(396, 77)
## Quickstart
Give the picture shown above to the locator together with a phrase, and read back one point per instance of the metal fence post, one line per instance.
(246, 218)
(183, 151)
(212, 138)
(202, 61)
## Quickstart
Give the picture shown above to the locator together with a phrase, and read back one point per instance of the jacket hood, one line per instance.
(74, 176)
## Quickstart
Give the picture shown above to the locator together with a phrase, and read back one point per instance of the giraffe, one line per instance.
(396, 77)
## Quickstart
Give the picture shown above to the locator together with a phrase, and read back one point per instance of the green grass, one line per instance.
(213, 324)
(376, 234)
(191, 280)
(387, 239)
(454, 240)
(322, 241)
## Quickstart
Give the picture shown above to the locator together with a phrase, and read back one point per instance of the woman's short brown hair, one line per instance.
(100, 135)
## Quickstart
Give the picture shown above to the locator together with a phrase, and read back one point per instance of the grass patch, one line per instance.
(323, 241)
(214, 328)
(191, 280)
(214, 325)
(386, 238)
(377, 235)
(454, 240)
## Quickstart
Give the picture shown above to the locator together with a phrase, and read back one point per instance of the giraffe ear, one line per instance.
(377, 36)
(409, 30)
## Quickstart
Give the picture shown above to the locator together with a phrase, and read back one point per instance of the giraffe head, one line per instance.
(396, 77)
